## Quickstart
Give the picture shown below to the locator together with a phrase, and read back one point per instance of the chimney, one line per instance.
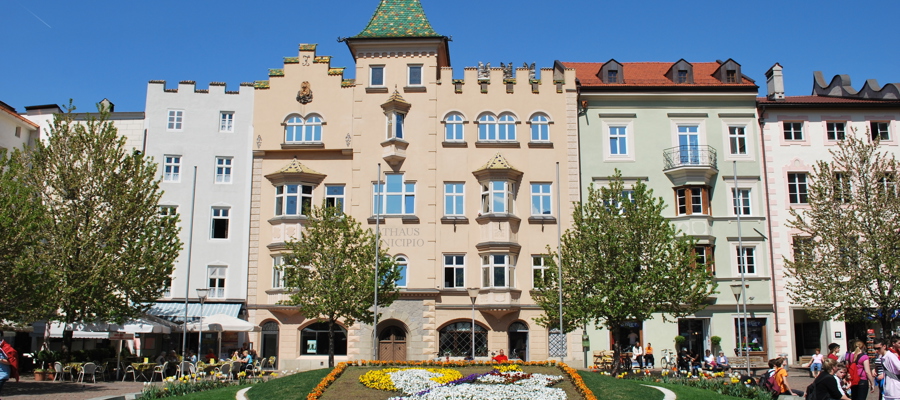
(775, 83)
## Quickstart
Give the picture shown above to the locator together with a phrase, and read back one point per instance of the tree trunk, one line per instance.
(67, 343)
(331, 343)
(617, 351)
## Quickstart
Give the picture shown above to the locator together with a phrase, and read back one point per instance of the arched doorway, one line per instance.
(269, 346)
(518, 340)
(392, 344)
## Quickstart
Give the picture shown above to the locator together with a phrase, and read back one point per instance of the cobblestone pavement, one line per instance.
(29, 389)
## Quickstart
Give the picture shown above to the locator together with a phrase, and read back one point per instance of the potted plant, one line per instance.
(679, 340)
(40, 374)
(715, 341)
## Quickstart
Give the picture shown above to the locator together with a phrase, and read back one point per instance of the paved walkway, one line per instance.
(667, 394)
(29, 389)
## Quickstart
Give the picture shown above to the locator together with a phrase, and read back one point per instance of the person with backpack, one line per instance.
(891, 364)
(781, 375)
(827, 384)
(880, 346)
(859, 372)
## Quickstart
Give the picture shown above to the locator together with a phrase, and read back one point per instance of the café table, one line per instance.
(143, 369)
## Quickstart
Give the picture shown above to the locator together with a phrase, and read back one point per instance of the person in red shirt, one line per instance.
(500, 357)
(833, 350)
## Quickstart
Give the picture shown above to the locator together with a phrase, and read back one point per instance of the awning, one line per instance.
(82, 331)
(222, 323)
(147, 324)
(174, 312)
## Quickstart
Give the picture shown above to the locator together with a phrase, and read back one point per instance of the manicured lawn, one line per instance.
(607, 387)
(295, 386)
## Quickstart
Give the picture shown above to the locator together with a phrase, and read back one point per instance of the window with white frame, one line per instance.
(226, 121)
(217, 281)
(168, 211)
(376, 75)
(487, 127)
(223, 169)
(175, 120)
(842, 187)
(797, 188)
(454, 271)
(704, 257)
(219, 225)
(171, 168)
(793, 130)
(618, 140)
(303, 130)
(293, 199)
(506, 130)
(746, 259)
(277, 272)
(454, 198)
(496, 197)
(880, 130)
(167, 288)
(334, 196)
(453, 128)
(540, 199)
(497, 270)
(737, 139)
(395, 121)
(415, 75)
(538, 271)
(740, 201)
(540, 128)
(395, 196)
(402, 265)
(692, 200)
(835, 130)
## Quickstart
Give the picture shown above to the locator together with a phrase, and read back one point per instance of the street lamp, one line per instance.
(473, 295)
(738, 290)
(201, 293)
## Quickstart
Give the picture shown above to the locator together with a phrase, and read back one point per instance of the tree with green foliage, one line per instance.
(330, 272)
(622, 260)
(106, 248)
(846, 261)
(22, 224)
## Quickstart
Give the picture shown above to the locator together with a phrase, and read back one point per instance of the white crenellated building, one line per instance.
(212, 130)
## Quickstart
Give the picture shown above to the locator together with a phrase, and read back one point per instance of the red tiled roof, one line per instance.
(23, 119)
(823, 100)
(651, 74)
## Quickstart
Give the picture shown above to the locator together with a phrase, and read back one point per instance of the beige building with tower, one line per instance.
(470, 194)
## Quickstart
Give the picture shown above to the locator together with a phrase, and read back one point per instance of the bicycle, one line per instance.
(668, 359)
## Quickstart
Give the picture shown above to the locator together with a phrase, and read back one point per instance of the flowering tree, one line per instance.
(846, 261)
(622, 260)
(330, 271)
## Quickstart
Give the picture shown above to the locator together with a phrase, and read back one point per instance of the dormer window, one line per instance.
(730, 76)
(612, 76)
(682, 76)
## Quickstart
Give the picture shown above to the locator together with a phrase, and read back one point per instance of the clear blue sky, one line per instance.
(89, 50)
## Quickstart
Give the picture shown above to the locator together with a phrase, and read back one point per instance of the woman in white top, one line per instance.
(815, 366)
(638, 353)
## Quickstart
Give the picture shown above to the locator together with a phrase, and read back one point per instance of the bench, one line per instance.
(800, 362)
(756, 363)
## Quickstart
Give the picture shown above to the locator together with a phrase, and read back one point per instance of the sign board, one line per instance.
(120, 336)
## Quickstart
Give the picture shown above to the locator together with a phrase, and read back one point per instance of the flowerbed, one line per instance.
(433, 380)
(186, 384)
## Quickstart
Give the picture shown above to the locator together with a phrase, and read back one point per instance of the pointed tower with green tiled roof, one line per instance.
(398, 18)
(400, 27)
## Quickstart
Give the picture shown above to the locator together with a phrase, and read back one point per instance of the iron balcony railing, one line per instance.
(690, 156)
